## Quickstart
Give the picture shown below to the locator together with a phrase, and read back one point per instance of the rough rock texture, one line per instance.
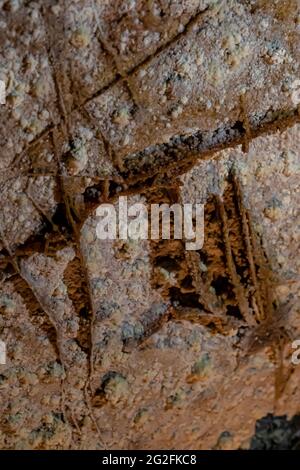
(142, 344)
(276, 433)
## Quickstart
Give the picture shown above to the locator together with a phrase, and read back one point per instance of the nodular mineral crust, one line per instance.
(126, 344)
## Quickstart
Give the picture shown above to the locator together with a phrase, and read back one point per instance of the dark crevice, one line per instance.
(276, 433)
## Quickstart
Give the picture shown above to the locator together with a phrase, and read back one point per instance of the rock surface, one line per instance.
(124, 344)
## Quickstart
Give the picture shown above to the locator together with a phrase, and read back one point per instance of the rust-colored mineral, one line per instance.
(143, 344)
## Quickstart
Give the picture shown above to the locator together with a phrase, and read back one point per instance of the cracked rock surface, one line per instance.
(124, 344)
